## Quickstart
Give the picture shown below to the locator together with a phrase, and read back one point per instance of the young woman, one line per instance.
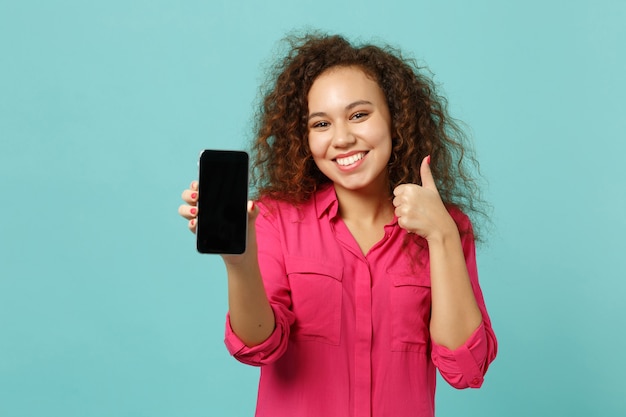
(360, 276)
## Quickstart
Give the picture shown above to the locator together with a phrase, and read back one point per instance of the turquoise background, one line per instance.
(106, 309)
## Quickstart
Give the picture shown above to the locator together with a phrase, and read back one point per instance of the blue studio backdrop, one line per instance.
(107, 310)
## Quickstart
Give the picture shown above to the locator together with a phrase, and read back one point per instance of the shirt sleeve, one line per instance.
(271, 264)
(466, 366)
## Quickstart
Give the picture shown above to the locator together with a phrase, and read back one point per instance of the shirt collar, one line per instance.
(326, 201)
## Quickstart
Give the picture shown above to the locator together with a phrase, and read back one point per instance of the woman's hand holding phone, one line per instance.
(189, 211)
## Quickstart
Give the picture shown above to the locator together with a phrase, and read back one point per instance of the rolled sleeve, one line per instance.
(265, 353)
(465, 367)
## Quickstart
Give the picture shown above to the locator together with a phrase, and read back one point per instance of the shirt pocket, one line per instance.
(316, 291)
(410, 300)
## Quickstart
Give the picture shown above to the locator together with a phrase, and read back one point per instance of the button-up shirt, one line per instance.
(352, 329)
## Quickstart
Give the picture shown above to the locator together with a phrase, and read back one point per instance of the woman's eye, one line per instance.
(320, 124)
(359, 115)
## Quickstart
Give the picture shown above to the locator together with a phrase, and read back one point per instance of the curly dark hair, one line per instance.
(420, 125)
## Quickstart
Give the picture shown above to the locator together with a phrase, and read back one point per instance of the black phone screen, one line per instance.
(222, 202)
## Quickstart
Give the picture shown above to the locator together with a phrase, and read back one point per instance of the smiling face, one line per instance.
(349, 128)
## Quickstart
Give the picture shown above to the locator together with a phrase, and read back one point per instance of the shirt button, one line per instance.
(475, 381)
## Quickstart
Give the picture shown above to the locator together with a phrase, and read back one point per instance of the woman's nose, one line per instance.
(342, 136)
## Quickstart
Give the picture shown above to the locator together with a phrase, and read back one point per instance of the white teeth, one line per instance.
(350, 159)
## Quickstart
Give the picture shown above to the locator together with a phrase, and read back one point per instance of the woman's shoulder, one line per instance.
(315, 204)
(279, 208)
(457, 213)
(461, 219)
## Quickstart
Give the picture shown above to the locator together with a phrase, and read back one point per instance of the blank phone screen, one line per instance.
(222, 202)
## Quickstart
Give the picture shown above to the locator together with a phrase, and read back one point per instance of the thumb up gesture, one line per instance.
(419, 208)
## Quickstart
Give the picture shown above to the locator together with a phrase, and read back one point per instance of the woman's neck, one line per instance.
(368, 206)
(365, 214)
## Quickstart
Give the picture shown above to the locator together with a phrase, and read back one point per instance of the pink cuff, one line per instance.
(267, 352)
(463, 367)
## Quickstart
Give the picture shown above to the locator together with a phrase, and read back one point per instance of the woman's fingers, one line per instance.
(187, 211)
(190, 197)
(190, 210)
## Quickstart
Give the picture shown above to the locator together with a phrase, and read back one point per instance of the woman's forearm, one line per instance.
(251, 316)
(455, 312)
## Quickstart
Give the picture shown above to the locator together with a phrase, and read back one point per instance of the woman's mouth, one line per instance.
(350, 160)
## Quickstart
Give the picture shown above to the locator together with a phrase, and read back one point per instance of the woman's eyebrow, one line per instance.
(357, 103)
(348, 107)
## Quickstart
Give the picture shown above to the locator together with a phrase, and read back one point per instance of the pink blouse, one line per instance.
(352, 330)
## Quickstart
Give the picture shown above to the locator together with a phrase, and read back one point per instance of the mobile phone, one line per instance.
(222, 223)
